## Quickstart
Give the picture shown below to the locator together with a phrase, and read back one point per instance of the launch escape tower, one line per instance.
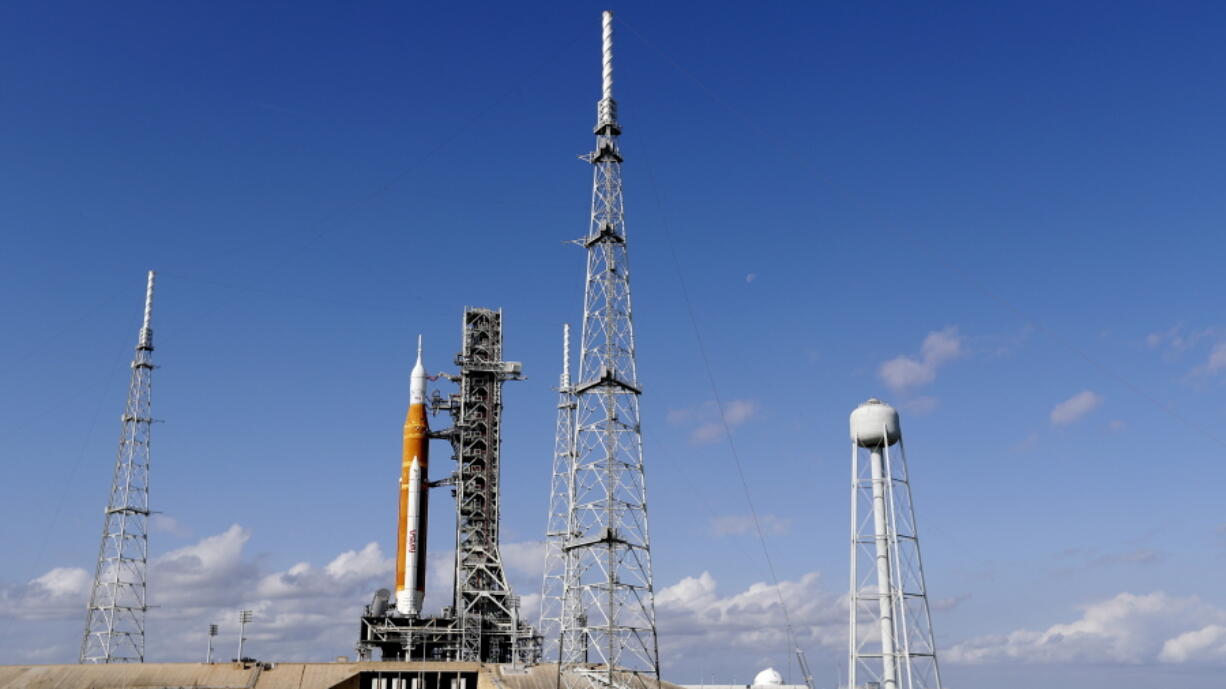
(607, 612)
(482, 624)
(115, 618)
(891, 642)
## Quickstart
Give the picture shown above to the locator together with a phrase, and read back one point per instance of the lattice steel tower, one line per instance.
(608, 617)
(891, 642)
(553, 586)
(487, 613)
(115, 619)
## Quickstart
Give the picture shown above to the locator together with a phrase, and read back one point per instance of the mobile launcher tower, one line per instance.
(482, 623)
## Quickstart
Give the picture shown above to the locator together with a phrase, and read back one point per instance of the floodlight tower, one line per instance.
(890, 643)
(608, 618)
(208, 656)
(553, 586)
(244, 618)
(115, 618)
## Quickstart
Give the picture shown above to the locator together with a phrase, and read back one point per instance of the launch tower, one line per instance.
(115, 618)
(607, 619)
(891, 642)
(482, 623)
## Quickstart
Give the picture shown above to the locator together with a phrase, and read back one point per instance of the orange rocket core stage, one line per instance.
(410, 542)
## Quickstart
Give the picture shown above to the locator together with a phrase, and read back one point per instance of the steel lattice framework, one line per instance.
(553, 586)
(483, 598)
(891, 640)
(608, 612)
(115, 618)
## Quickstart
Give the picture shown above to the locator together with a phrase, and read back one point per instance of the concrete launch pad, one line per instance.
(363, 675)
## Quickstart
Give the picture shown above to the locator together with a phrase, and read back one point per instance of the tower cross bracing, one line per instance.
(608, 627)
(115, 616)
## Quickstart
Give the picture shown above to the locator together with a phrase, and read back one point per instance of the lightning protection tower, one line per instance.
(553, 586)
(608, 613)
(891, 642)
(115, 619)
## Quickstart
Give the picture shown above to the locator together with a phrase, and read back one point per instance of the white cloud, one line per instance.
(694, 619)
(709, 429)
(525, 559)
(1075, 407)
(1128, 629)
(302, 612)
(938, 348)
(737, 524)
(1206, 643)
(64, 581)
(61, 592)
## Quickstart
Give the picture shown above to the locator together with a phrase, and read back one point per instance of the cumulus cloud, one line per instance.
(705, 419)
(302, 612)
(938, 348)
(738, 524)
(1128, 629)
(1206, 643)
(60, 592)
(1075, 407)
(694, 618)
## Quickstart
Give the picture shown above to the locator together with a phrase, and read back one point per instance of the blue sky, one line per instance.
(1033, 189)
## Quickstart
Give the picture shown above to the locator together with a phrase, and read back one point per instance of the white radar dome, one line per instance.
(769, 677)
(874, 423)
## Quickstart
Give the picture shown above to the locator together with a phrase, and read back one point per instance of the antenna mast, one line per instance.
(115, 619)
(608, 625)
(550, 624)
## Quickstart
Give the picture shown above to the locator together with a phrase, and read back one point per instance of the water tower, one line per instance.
(891, 643)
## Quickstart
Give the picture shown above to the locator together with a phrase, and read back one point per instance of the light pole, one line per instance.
(244, 616)
(208, 658)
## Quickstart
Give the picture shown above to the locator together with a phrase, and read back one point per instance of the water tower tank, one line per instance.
(875, 423)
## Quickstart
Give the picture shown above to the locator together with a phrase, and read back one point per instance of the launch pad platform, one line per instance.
(339, 675)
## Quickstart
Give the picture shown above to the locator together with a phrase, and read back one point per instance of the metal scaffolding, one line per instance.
(482, 595)
(608, 627)
(115, 618)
